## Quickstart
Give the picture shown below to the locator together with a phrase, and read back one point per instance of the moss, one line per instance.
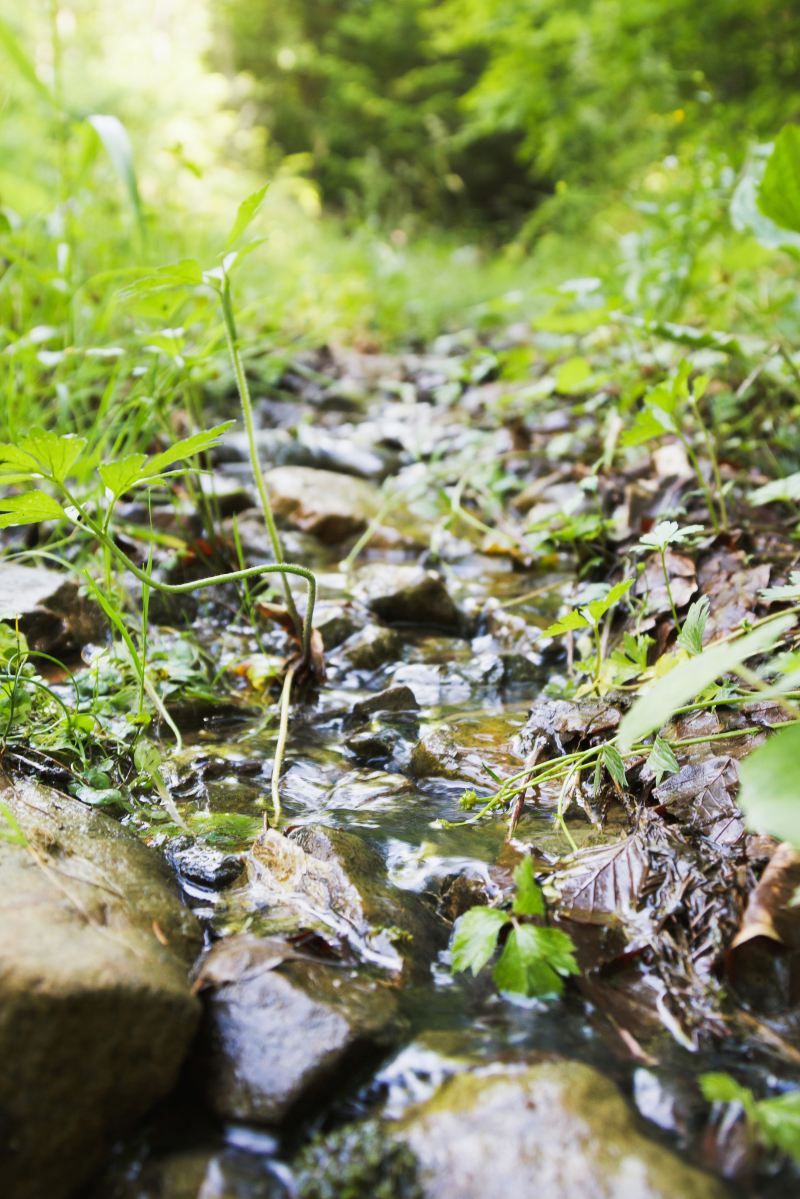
(358, 1162)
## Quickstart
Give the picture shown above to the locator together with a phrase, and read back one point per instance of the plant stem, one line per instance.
(280, 745)
(704, 487)
(243, 388)
(663, 552)
(712, 454)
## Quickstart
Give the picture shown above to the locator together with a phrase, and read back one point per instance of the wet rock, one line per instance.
(277, 1036)
(560, 722)
(407, 594)
(256, 545)
(372, 746)
(436, 755)
(308, 446)
(53, 615)
(371, 647)
(331, 506)
(96, 1014)
(392, 699)
(335, 623)
(332, 881)
(557, 1129)
(195, 1174)
(204, 865)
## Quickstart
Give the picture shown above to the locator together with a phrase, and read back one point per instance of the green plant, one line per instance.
(590, 616)
(664, 411)
(534, 960)
(775, 1122)
(660, 537)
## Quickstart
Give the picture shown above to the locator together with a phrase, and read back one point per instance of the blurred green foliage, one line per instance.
(485, 107)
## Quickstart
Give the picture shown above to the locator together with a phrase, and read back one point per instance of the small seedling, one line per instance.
(775, 1122)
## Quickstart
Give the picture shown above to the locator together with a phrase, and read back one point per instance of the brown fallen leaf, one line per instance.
(769, 912)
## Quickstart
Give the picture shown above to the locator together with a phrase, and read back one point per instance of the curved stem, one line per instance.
(243, 388)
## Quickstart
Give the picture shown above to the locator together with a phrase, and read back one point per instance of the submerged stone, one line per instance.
(557, 1129)
(53, 614)
(279, 1036)
(371, 647)
(204, 865)
(96, 1013)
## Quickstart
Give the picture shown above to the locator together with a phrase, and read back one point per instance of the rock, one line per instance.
(280, 1036)
(194, 1174)
(96, 1014)
(372, 746)
(563, 1130)
(308, 446)
(331, 506)
(53, 615)
(436, 755)
(335, 623)
(204, 865)
(407, 594)
(371, 647)
(331, 881)
(391, 699)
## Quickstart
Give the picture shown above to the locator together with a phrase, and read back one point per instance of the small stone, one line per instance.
(436, 755)
(205, 866)
(407, 594)
(280, 1036)
(53, 614)
(393, 699)
(372, 647)
(332, 506)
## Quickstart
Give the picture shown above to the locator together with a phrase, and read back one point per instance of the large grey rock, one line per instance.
(279, 1034)
(53, 615)
(558, 1129)
(407, 594)
(96, 1014)
(331, 506)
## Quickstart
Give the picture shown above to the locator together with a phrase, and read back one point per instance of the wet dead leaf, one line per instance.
(769, 912)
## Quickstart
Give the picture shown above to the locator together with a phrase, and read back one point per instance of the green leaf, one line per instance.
(662, 760)
(13, 48)
(535, 961)
(778, 1122)
(44, 453)
(786, 489)
(646, 427)
(247, 212)
(120, 476)
(673, 690)
(665, 533)
(721, 1088)
(12, 833)
(769, 794)
(528, 900)
(789, 591)
(611, 759)
(597, 609)
(573, 376)
(567, 624)
(147, 758)
(28, 509)
(475, 938)
(188, 447)
(691, 634)
(779, 193)
(117, 145)
(177, 276)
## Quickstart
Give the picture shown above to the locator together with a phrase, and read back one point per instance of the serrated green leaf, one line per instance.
(666, 533)
(28, 509)
(691, 634)
(769, 792)
(673, 690)
(612, 760)
(246, 213)
(44, 453)
(187, 448)
(789, 591)
(662, 760)
(646, 427)
(567, 624)
(475, 938)
(535, 961)
(120, 476)
(597, 609)
(779, 193)
(176, 276)
(528, 900)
